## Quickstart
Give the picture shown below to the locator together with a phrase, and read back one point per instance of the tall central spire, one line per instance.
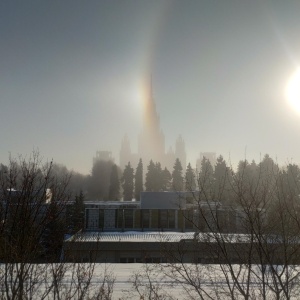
(151, 118)
(151, 139)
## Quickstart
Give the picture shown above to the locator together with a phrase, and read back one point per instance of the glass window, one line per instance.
(167, 218)
(163, 220)
(101, 218)
(188, 218)
(171, 219)
(145, 218)
(123, 260)
(119, 218)
(128, 216)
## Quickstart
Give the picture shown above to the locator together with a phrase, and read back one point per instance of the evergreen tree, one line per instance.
(78, 183)
(154, 179)
(220, 176)
(253, 169)
(267, 167)
(166, 180)
(222, 180)
(190, 180)
(158, 179)
(177, 178)
(246, 177)
(150, 177)
(289, 183)
(242, 165)
(127, 182)
(139, 184)
(3, 169)
(256, 177)
(206, 179)
(53, 233)
(99, 181)
(77, 213)
(114, 187)
(243, 172)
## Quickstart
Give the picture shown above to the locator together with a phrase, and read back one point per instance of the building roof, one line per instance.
(156, 236)
(131, 236)
(111, 204)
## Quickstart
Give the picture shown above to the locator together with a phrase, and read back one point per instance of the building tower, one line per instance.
(103, 155)
(151, 142)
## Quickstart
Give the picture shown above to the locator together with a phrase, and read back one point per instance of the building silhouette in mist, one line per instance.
(211, 156)
(103, 155)
(151, 141)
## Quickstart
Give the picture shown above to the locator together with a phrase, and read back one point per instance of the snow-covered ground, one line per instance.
(207, 278)
(124, 279)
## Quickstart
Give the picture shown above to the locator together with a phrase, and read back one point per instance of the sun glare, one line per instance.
(293, 91)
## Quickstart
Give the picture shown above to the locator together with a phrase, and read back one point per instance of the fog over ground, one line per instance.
(72, 74)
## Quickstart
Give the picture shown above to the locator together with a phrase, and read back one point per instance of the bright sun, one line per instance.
(293, 91)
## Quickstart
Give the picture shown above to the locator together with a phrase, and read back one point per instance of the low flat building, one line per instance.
(171, 247)
(157, 211)
(142, 231)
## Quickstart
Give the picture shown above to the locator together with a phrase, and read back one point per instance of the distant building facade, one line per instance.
(151, 144)
(103, 155)
(211, 156)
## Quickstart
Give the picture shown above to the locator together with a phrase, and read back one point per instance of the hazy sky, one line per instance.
(71, 75)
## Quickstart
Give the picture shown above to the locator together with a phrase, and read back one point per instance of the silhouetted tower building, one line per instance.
(151, 142)
(211, 156)
(103, 155)
(170, 159)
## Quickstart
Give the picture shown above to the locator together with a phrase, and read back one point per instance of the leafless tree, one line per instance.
(245, 246)
(33, 207)
(148, 283)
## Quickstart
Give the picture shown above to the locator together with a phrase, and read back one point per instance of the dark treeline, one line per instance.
(40, 204)
(108, 182)
(246, 225)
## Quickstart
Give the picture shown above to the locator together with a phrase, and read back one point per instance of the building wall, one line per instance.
(163, 200)
(161, 220)
(187, 251)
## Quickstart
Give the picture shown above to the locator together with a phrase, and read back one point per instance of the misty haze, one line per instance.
(156, 133)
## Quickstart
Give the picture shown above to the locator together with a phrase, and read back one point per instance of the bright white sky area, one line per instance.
(71, 74)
